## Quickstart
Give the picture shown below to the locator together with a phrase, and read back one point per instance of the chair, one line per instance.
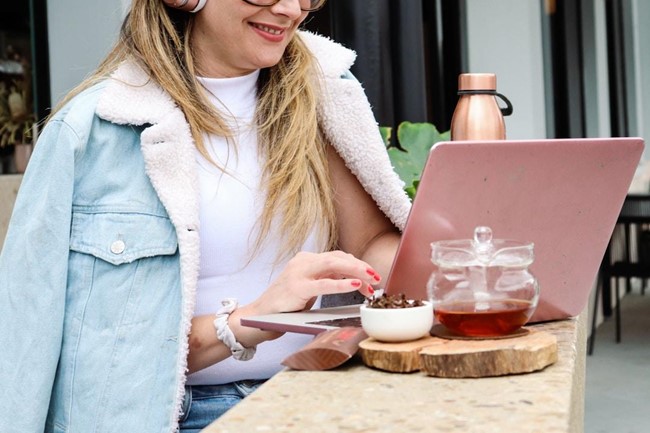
(627, 256)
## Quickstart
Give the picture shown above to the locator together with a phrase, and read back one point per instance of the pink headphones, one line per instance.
(186, 5)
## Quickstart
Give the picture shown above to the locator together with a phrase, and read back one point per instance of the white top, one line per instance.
(230, 205)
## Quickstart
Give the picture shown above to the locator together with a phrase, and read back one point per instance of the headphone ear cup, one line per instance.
(186, 5)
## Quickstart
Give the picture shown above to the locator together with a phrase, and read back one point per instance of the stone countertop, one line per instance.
(355, 398)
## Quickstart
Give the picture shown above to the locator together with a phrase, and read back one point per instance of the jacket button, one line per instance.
(118, 247)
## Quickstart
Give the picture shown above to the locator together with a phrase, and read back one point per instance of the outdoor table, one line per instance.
(355, 398)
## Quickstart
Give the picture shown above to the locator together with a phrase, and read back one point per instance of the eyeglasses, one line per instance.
(305, 5)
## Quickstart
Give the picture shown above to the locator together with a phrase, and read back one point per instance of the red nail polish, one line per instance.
(371, 290)
(376, 277)
(371, 272)
(355, 283)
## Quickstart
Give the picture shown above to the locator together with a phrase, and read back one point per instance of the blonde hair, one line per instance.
(296, 173)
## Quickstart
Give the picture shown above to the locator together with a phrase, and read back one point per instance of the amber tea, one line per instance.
(500, 318)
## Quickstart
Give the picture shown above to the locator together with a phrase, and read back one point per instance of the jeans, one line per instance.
(205, 403)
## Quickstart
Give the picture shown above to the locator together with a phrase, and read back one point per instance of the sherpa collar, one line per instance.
(133, 98)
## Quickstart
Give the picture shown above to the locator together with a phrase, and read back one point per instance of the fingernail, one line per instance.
(355, 283)
(376, 277)
(371, 290)
(371, 272)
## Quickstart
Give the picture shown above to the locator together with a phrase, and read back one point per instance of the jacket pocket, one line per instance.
(119, 238)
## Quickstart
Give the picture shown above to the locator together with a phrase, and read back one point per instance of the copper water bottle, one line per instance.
(477, 115)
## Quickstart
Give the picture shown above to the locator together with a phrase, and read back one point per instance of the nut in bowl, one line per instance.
(394, 319)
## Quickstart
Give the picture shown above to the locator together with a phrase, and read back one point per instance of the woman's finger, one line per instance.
(334, 264)
(331, 286)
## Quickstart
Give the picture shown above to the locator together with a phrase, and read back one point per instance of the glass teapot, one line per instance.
(482, 287)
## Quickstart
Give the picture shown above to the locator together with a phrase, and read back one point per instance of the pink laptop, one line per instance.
(564, 195)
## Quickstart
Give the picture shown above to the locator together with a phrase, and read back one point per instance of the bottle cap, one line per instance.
(477, 82)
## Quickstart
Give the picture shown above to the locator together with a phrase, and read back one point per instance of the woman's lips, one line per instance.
(271, 33)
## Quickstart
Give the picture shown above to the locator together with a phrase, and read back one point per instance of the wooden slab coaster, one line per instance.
(480, 358)
(394, 357)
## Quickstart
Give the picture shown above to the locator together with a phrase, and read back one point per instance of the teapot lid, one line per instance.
(482, 251)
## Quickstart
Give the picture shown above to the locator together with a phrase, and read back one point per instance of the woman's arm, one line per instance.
(33, 272)
(364, 230)
(306, 276)
(368, 241)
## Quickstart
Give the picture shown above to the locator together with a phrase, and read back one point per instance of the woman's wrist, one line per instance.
(245, 335)
(225, 334)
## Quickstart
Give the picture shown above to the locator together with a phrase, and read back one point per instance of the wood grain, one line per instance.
(394, 357)
(452, 358)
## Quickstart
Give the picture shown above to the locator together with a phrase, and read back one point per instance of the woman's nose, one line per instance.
(290, 8)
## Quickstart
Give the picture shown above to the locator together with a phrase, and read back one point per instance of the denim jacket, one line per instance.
(100, 263)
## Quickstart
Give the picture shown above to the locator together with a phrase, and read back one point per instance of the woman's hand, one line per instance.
(308, 275)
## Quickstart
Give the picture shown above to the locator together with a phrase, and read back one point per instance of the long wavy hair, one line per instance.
(295, 173)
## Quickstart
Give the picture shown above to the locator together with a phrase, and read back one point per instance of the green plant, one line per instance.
(16, 115)
(409, 152)
(16, 131)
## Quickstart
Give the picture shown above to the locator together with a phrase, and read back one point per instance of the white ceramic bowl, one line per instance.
(397, 324)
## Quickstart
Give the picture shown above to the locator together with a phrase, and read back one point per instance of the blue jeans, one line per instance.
(205, 403)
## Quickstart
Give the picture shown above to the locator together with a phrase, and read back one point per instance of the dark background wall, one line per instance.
(410, 53)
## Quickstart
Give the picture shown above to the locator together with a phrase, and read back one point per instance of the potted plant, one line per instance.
(408, 153)
(17, 126)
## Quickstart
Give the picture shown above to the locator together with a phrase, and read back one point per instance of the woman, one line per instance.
(218, 153)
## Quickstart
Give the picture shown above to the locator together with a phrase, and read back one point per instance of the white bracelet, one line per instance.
(224, 333)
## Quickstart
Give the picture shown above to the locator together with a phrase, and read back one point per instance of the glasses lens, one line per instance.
(261, 2)
(305, 5)
(312, 5)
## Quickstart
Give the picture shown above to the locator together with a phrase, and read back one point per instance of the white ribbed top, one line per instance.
(230, 205)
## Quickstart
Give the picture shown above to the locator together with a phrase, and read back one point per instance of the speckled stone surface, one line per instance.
(355, 398)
